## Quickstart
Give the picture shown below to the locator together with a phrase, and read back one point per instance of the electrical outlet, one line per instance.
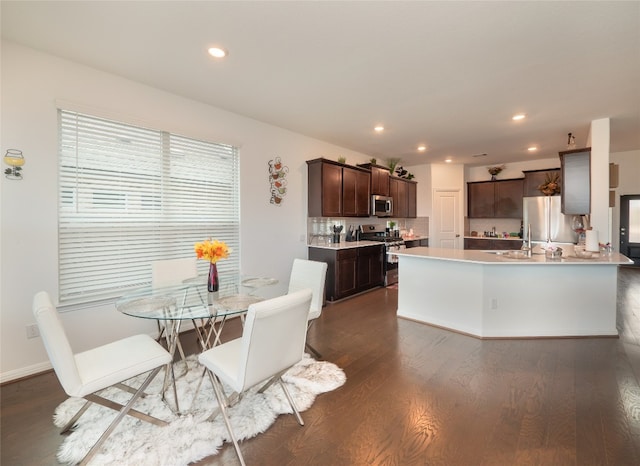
(494, 303)
(32, 331)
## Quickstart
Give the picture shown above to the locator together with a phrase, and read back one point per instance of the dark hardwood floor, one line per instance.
(418, 395)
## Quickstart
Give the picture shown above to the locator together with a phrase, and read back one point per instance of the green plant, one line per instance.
(392, 164)
(342, 159)
(373, 160)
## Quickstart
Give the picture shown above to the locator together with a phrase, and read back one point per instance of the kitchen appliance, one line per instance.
(381, 206)
(391, 244)
(547, 222)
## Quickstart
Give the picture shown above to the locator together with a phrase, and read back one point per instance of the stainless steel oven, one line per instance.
(391, 243)
(391, 264)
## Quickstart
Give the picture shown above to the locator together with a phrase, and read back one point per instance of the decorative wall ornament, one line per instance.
(277, 180)
(15, 160)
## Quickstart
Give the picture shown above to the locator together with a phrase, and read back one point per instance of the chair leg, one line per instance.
(313, 350)
(73, 420)
(123, 412)
(293, 405)
(306, 343)
(222, 403)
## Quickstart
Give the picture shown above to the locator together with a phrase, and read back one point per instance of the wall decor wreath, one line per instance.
(277, 181)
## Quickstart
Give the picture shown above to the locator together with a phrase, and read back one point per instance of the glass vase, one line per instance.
(212, 282)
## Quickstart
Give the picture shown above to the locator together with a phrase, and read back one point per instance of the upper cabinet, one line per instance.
(404, 194)
(379, 179)
(534, 178)
(576, 181)
(356, 196)
(337, 190)
(495, 199)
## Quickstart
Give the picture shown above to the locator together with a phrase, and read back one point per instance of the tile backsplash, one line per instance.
(502, 225)
(321, 227)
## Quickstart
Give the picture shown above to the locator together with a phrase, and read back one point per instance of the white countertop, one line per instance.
(414, 238)
(500, 257)
(510, 238)
(344, 244)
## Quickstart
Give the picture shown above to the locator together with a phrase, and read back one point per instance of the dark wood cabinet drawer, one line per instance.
(350, 271)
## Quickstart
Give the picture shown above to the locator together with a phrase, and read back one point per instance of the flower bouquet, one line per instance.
(551, 184)
(493, 171)
(213, 251)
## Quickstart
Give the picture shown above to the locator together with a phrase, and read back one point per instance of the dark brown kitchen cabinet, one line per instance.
(508, 198)
(412, 199)
(404, 194)
(337, 190)
(495, 199)
(576, 181)
(480, 199)
(350, 271)
(491, 244)
(355, 192)
(370, 261)
(379, 179)
(534, 178)
(416, 243)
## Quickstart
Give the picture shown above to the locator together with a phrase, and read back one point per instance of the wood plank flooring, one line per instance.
(418, 395)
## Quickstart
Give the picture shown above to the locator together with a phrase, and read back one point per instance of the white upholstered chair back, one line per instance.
(56, 343)
(273, 338)
(172, 271)
(309, 274)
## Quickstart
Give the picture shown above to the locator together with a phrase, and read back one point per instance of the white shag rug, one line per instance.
(189, 437)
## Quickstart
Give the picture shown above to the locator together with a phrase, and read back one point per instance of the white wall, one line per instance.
(599, 161)
(422, 175)
(629, 183)
(32, 83)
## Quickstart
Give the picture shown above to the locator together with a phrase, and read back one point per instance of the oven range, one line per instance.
(392, 244)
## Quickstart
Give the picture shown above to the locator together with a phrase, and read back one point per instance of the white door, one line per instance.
(446, 220)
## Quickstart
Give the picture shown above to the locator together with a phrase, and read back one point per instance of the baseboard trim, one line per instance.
(12, 376)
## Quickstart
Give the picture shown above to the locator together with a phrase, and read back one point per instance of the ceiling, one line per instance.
(449, 75)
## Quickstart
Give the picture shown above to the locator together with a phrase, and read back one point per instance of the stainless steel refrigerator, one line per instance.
(548, 224)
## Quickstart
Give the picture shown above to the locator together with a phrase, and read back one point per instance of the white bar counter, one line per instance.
(490, 295)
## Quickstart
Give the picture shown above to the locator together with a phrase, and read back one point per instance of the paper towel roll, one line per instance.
(591, 243)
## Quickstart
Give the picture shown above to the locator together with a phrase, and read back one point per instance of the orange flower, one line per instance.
(212, 250)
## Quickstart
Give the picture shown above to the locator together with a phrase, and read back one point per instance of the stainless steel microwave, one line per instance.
(381, 206)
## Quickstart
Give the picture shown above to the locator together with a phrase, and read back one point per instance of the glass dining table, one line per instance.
(190, 300)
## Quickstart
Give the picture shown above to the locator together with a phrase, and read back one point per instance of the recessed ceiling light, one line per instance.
(532, 149)
(422, 148)
(379, 129)
(218, 52)
(448, 160)
(519, 116)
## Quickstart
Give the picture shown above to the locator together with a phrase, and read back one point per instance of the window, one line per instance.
(131, 195)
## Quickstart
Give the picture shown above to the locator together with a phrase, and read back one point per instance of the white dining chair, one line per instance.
(310, 274)
(84, 374)
(272, 341)
(170, 272)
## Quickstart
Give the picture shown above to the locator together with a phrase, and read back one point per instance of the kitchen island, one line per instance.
(490, 295)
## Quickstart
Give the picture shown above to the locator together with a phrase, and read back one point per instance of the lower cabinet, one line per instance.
(350, 271)
(491, 244)
(415, 243)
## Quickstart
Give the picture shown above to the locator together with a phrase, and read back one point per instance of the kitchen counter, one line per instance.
(343, 244)
(502, 257)
(490, 295)
(510, 238)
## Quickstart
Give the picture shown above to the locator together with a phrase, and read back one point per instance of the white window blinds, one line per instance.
(131, 195)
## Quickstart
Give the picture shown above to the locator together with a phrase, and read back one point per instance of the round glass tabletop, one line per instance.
(185, 301)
